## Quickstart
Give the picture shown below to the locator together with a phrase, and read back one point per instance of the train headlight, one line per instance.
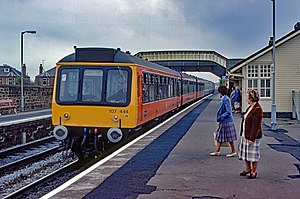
(66, 116)
(115, 118)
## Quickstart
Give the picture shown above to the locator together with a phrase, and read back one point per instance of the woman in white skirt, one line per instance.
(251, 133)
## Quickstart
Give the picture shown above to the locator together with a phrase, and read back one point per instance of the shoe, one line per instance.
(244, 173)
(231, 155)
(214, 154)
(252, 176)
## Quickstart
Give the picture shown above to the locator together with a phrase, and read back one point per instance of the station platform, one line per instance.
(173, 161)
(12, 119)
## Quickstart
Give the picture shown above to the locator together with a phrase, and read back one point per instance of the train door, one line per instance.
(146, 96)
(178, 92)
(141, 95)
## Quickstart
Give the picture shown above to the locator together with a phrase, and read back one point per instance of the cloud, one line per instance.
(233, 28)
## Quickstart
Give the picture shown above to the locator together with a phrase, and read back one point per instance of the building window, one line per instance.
(259, 78)
(265, 85)
(252, 84)
(265, 71)
(44, 82)
(252, 71)
(10, 81)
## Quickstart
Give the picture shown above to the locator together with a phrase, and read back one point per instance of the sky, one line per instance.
(232, 28)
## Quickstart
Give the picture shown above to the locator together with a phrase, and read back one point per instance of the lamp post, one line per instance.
(273, 113)
(22, 75)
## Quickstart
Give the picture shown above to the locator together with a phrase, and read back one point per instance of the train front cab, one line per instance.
(87, 100)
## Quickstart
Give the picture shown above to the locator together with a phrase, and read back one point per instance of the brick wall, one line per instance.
(35, 97)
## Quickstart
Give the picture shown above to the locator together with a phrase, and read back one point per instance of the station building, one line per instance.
(255, 72)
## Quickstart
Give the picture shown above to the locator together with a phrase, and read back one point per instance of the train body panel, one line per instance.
(157, 95)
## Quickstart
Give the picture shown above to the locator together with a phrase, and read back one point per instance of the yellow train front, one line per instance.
(97, 97)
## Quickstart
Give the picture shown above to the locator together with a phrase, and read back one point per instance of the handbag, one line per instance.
(222, 144)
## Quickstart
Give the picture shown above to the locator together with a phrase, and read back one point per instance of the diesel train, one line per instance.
(101, 95)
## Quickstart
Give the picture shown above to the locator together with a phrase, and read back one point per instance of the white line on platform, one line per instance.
(90, 169)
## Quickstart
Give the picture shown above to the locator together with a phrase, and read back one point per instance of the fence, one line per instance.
(296, 104)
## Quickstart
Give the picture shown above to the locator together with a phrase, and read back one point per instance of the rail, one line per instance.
(296, 105)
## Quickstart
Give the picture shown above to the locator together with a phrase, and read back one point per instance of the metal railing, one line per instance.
(296, 104)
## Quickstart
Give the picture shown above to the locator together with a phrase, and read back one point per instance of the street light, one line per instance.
(273, 113)
(22, 75)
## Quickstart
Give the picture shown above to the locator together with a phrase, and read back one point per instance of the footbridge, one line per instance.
(191, 61)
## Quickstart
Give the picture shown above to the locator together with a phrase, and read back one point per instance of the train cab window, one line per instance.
(92, 85)
(69, 83)
(117, 86)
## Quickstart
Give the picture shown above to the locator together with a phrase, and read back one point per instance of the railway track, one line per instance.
(15, 149)
(24, 191)
(22, 165)
(42, 182)
(16, 156)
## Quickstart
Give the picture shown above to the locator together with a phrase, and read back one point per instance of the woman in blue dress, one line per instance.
(226, 131)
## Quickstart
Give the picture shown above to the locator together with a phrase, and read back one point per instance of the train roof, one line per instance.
(188, 76)
(113, 56)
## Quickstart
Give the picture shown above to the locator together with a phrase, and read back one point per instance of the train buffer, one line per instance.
(173, 161)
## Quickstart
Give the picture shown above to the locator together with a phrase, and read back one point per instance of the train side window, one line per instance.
(191, 87)
(151, 88)
(170, 87)
(166, 89)
(160, 87)
(185, 87)
(178, 87)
